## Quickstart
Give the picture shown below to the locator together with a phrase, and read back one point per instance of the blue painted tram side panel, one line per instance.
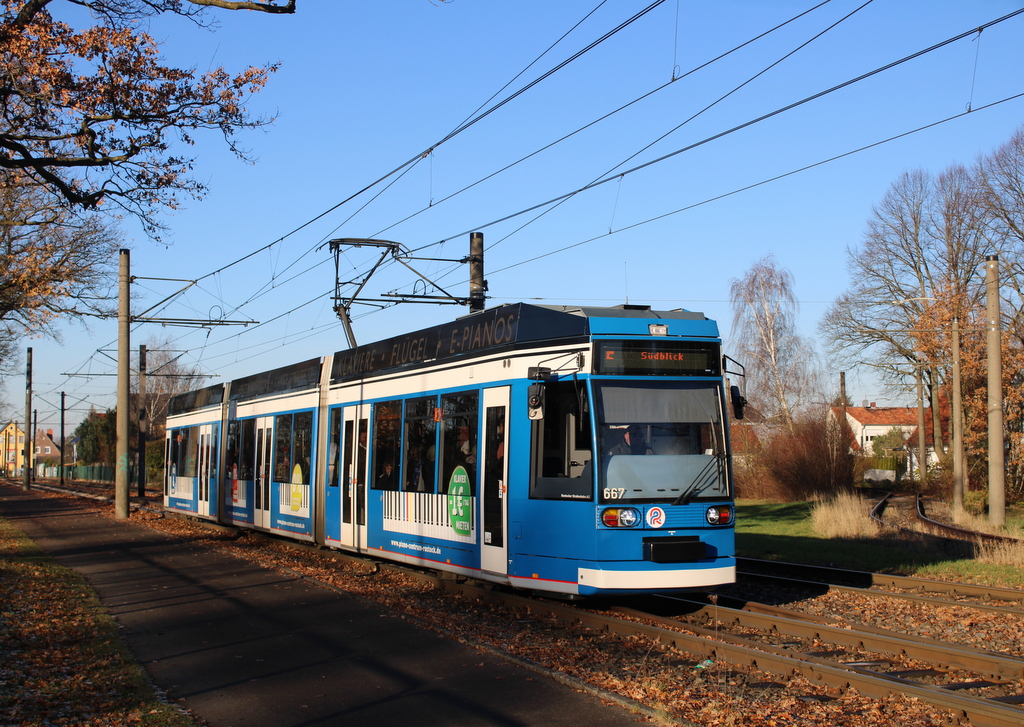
(271, 450)
(572, 450)
(191, 452)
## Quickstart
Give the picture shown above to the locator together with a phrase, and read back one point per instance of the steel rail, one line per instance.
(794, 623)
(709, 644)
(841, 576)
(875, 593)
(962, 533)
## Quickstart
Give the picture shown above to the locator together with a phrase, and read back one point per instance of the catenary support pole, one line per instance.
(123, 341)
(63, 437)
(26, 455)
(922, 453)
(959, 470)
(143, 422)
(477, 284)
(996, 458)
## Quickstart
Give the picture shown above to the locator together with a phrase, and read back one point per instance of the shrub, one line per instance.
(810, 459)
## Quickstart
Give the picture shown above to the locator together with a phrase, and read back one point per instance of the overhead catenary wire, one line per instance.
(738, 127)
(451, 135)
(717, 136)
(621, 176)
(399, 171)
(697, 204)
(722, 134)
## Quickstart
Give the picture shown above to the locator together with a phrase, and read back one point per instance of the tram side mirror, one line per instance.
(739, 402)
(535, 401)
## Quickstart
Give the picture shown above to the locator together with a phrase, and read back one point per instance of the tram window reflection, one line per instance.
(387, 420)
(459, 438)
(420, 462)
(247, 449)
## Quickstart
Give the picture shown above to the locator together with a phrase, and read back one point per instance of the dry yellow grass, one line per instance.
(844, 515)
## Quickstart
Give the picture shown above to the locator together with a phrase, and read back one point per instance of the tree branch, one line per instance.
(263, 7)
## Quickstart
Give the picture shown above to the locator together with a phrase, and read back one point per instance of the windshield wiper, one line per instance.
(694, 488)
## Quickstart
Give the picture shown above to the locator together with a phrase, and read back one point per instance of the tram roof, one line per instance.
(476, 333)
(512, 324)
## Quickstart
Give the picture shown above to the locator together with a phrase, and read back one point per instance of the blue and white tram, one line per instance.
(571, 450)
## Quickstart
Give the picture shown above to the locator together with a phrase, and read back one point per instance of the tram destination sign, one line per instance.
(657, 357)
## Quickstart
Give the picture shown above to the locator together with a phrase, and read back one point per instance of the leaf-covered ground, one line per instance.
(48, 642)
(62, 661)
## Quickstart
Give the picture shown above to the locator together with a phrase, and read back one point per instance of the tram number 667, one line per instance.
(614, 493)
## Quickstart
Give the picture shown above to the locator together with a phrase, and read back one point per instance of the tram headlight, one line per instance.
(620, 517)
(719, 515)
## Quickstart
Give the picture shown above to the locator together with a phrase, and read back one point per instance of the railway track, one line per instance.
(881, 584)
(985, 688)
(759, 639)
(941, 532)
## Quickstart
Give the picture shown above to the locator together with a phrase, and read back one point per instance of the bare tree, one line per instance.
(782, 372)
(924, 243)
(56, 263)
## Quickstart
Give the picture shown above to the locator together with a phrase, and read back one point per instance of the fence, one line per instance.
(89, 473)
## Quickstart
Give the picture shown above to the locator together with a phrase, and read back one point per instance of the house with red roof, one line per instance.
(869, 422)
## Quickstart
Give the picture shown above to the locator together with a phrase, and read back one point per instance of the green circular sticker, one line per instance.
(460, 504)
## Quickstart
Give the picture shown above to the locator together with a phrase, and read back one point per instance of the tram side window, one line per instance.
(562, 450)
(283, 448)
(190, 448)
(174, 456)
(247, 449)
(231, 457)
(293, 436)
(387, 422)
(333, 468)
(459, 438)
(302, 445)
(419, 465)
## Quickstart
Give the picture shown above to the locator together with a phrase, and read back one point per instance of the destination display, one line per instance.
(657, 357)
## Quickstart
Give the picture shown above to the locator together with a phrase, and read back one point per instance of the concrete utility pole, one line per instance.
(922, 455)
(996, 459)
(477, 284)
(143, 421)
(25, 463)
(959, 483)
(63, 437)
(123, 380)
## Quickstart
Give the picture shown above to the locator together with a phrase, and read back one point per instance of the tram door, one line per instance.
(207, 468)
(354, 432)
(262, 474)
(493, 496)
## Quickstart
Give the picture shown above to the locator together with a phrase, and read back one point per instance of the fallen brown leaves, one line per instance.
(673, 686)
(61, 659)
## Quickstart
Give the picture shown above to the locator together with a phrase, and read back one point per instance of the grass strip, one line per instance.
(62, 661)
(784, 532)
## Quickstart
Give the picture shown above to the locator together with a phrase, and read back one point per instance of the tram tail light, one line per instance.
(620, 517)
(719, 515)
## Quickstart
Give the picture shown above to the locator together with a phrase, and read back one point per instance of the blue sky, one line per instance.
(365, 87)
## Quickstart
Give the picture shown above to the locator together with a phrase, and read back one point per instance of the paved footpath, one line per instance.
(241, 645)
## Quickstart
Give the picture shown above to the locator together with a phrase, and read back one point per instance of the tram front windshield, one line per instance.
(661, 441)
